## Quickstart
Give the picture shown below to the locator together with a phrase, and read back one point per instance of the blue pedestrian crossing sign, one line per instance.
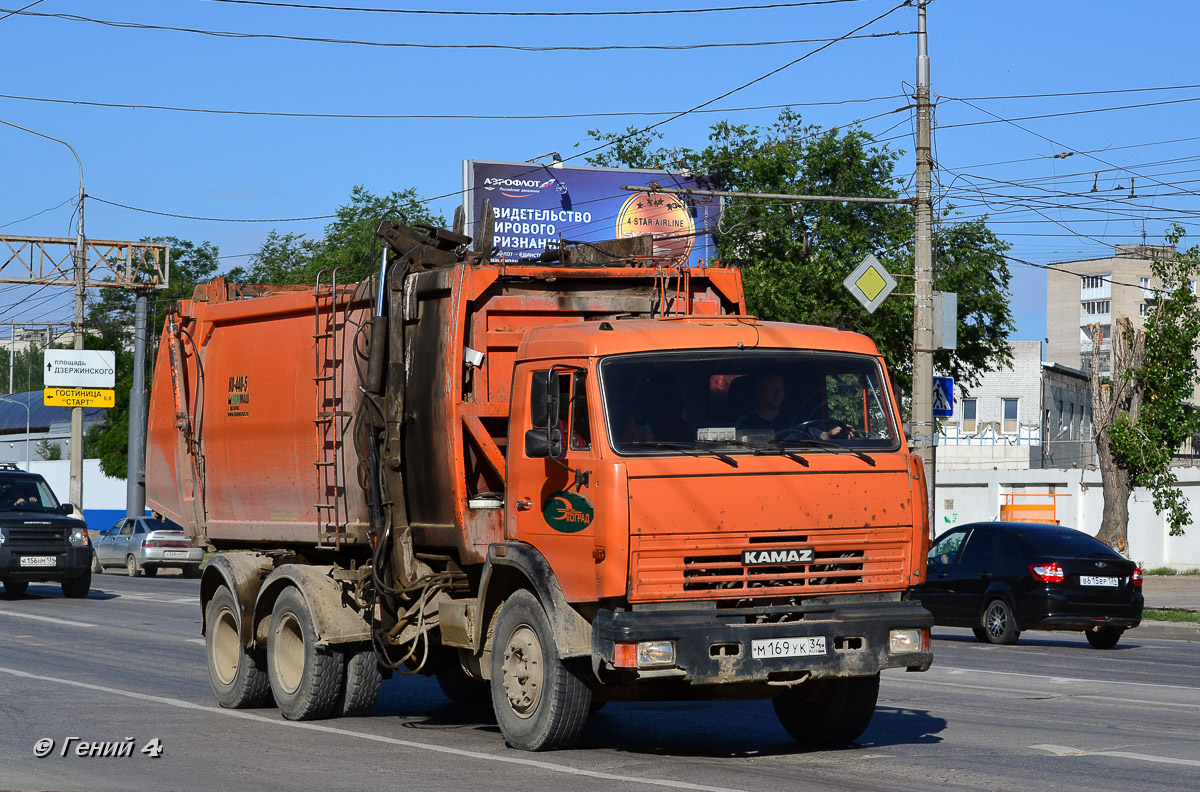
(943, 397)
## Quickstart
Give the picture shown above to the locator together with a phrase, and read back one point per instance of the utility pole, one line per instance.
(77, 412)
(923, 429)
(135, 472)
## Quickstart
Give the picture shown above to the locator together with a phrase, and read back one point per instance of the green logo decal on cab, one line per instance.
(567, 512)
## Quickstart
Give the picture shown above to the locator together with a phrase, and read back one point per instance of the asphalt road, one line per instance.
(127, 664)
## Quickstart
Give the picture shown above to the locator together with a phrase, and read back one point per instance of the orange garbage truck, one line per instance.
(589, 477)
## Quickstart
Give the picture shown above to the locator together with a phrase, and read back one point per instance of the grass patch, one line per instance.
(1170, 615)
(1167, 571)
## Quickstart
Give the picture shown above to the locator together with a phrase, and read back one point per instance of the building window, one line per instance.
(1010, 416)
(1143, 309)
(1094, 281)
(1145, 283)
(1096, 307)
(969, 423)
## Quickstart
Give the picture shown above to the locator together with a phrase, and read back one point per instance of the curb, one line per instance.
(1173, 631)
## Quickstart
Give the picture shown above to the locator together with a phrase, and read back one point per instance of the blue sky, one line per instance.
(250, 167)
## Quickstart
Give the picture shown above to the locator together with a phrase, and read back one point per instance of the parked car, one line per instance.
(1000, 578)
(38, 540)
(146, 544)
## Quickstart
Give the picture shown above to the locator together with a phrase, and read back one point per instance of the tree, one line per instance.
(795, 256)
(349, 241)
(27, 371)
(1142, 412)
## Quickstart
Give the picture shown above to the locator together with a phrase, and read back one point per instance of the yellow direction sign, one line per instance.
(870, 283)
(79, 397)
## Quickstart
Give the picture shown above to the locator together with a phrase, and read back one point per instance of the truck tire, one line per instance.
(828, 711)
(78, 586)
(540, 704)
(238, 675)
(306, 679)
(363, 681)
(15, 588)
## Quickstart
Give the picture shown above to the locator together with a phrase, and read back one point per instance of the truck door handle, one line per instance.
(524, 505)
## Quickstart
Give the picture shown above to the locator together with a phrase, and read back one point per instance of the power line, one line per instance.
(427, 45)
(38, 214)
(214, 219)
(431, 12)
(1059, 94)
(440, 116)
(999, 120)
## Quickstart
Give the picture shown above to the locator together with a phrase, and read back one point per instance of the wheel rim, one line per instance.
(997, 620)
(523, 671)
(288, 653)
(226, 649)
(131, 566)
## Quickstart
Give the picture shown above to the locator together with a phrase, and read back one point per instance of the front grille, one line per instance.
(711, 573)
(710, 567)
(34, 536)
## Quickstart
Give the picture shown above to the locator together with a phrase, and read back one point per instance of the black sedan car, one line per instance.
(1000, 578)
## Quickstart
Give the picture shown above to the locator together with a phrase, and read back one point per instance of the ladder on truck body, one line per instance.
(331, 415)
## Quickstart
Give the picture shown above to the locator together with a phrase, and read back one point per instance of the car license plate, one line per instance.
(38, 561)
(175, 554)
(787, 647)
(1087, 580)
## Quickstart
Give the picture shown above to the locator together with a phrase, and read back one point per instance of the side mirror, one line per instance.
(67, 508)
(543, 400)
(544, 443)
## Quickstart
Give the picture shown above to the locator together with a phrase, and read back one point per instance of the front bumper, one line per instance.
(714, 647)
(69, 562)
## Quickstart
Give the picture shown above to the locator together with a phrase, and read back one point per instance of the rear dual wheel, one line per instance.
(238, 674)
(307, 679)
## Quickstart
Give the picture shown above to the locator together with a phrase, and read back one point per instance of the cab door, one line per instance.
(551, 503)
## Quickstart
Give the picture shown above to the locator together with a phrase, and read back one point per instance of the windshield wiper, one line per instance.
(685, 448)
(816, 442)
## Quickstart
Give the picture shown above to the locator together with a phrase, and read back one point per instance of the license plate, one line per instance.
(39, 561)
(175, 554)
(1087, 580)
(787, 647)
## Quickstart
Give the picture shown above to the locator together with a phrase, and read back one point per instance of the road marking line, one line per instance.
(1060, 680)
(67, 622)
(310, 726)
(1060, 750)
(195, 641)
(154, 598)
(1053, 694)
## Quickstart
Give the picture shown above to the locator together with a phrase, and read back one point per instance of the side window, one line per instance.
(127, 529)
(581, 432)
(139, 528)
(981, 549)
(945, 551)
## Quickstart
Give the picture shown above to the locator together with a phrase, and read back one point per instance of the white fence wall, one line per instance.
(963, 496)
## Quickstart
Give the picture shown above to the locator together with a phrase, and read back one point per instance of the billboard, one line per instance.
(539, 204)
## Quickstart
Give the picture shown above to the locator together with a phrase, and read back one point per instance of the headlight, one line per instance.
(79, 537)
(904, 641)
(655, 653)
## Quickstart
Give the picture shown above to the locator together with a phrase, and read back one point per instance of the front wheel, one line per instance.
(97, 567)
(78, 586)
(306, 679)
(999, 626)
(828, 711)
(238, 675)
(131, 566)
(1104, 637)
(15, 588)
(540, 704)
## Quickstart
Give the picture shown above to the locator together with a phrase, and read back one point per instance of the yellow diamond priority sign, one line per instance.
(870, 283)
(79, 397)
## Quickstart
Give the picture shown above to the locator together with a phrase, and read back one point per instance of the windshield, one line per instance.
(745, 401)
(26, 494)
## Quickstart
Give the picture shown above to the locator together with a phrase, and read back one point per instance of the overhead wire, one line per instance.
(450, 12)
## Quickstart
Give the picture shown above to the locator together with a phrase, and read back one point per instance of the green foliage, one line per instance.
(48, 450)
(349, 241)
(795, 256)
(1143, 442)
(27, 371)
